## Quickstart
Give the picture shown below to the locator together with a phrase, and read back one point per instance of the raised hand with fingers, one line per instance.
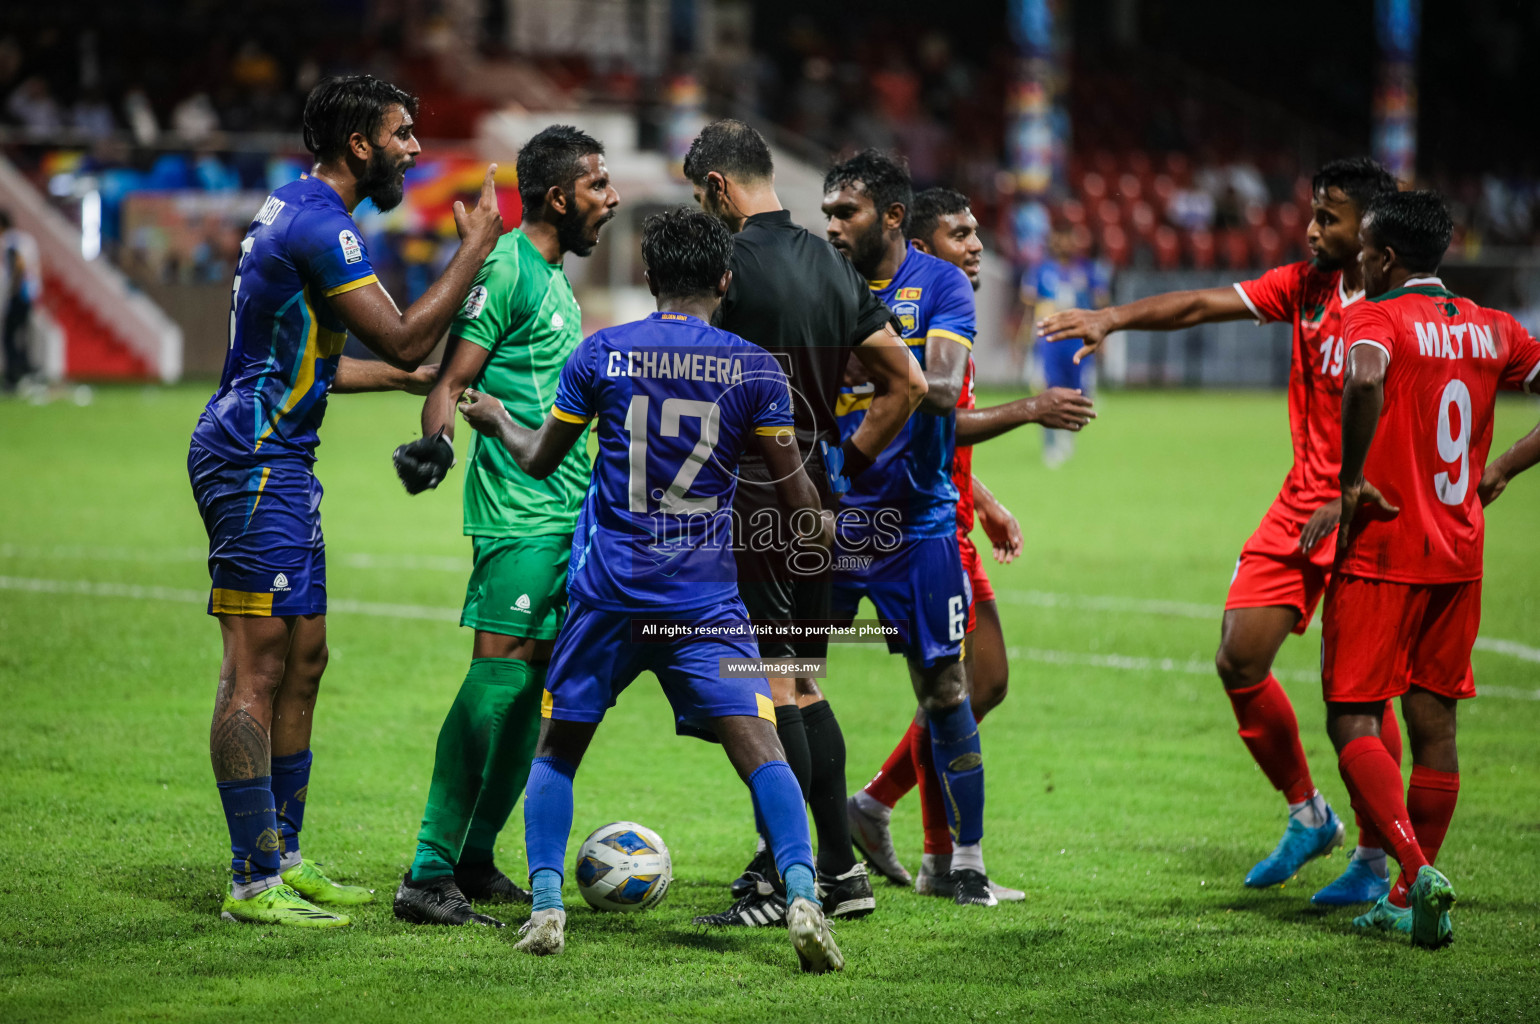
(1091, 326)
(483, 224)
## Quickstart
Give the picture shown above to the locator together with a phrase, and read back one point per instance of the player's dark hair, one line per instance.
(686, 252)
(732, 149)
(885, 178)
(1414, 224)
(552, 160)
(928, 209)
(1359, 178)
(339, 106)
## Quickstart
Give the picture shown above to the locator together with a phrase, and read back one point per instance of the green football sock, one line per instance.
(502, 783)
(498, 703)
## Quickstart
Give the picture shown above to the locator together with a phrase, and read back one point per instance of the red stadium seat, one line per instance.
(1168, 248)
(1072, 212)
(1287, 220)
(1255, 215)
(1142, 219)
(1234, 250)
(1138, 163)
(1130, 188)
(1302, 193)
(1200, 249)
(1115, 245)
(1162, 188)
(1177, 165)
(1269, 247)
(1108, 212)
(1105, 163)
(1093, 187)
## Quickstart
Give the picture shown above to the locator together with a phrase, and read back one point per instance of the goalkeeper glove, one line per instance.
(421, 464)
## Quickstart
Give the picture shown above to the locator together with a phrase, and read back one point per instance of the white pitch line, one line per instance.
(449, 563)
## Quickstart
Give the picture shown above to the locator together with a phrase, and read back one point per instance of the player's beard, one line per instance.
(383, 182)
(867, 250)
(572, 232)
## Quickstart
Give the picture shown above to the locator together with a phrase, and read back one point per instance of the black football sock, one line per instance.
(789, 726)
(826, 794)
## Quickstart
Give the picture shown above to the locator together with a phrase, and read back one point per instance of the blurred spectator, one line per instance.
(92, 114)
(195, 119)
(33, 106)
(21, 284)
(140, 116)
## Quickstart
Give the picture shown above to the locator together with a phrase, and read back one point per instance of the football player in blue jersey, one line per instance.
(676, 404)
(303, 283)
(896, 542)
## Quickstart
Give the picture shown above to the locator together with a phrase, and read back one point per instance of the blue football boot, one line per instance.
(1298, 845)
(1357, 884)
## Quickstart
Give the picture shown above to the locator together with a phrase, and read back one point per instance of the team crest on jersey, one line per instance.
(908, 313)
(352, 252)
(474, 302)
(1314, 314)
(909, 293)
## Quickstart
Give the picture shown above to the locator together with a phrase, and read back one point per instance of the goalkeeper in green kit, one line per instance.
(510, 340)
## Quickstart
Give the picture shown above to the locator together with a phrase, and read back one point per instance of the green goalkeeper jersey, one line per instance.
(522, 311)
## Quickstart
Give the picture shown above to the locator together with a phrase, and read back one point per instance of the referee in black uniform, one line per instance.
(795, 295)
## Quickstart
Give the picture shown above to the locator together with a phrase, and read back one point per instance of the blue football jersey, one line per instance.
(1071, 285)
(677, 402)
(909, 487)
(302, 250)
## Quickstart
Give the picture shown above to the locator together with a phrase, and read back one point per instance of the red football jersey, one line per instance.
(1448, 359)
(962, 462)
(1314, 302)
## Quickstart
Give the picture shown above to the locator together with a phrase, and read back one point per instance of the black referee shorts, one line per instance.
(774, 591)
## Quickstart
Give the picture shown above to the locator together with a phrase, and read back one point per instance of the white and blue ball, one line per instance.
(623, 866)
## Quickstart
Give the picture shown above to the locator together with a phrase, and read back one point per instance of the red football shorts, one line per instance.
(1273, 572)
(973, 565)
(1381, 638)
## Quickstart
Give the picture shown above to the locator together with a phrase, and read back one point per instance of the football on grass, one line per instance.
(623, 866)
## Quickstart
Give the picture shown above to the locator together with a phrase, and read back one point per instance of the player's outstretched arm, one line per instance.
(1167, 312)
(794, 489)
(1000, 526)
(1056, 408)
(463, 362)
(900, 387)
(405, 339)
(1524, 454)
(946, 370)
(1363, 396)
(356, 376)
(538, 452)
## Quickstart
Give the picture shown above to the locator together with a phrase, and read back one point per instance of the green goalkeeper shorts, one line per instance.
(518, 585)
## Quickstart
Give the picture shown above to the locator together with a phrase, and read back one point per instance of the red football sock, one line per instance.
(938, 834)
(1430, 803)
(1390, 735)
(1374, 782)
(1271, 733)
(897, 775)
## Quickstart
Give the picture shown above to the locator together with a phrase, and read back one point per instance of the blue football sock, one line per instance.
(545, 888)
(253, 823)
(547, 822)
(291, 781)
(779, 801)
(954, 741)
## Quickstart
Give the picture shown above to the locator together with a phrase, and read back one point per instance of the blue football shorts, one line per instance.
(1059, 367)
(595, 658)
(920, 588)
(266, 554)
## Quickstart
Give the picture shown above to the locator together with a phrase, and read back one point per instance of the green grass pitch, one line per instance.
(1120, 798)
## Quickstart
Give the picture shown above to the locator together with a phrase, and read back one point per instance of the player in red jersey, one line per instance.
(1284, 567)
(943, 225)
(1423, 370)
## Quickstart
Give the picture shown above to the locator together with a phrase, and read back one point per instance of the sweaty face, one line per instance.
(590, 205)
(956, 240)
(384, 177)
(1333, 231)
(854, 227)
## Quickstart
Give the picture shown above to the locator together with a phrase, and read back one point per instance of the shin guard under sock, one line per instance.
(960, 768)
(291, 785)
(1271, 732)
(1374, 783)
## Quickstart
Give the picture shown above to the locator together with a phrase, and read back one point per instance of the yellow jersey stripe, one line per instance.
(778, 431)
(239, 602)
(568, 417)
(343, 289)
(848, 403)
(936, 332)
(765, 708)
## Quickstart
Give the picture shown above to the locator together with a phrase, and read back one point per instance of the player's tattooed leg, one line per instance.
(238, 746)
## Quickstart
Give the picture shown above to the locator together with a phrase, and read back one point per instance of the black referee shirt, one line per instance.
(796, 296)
